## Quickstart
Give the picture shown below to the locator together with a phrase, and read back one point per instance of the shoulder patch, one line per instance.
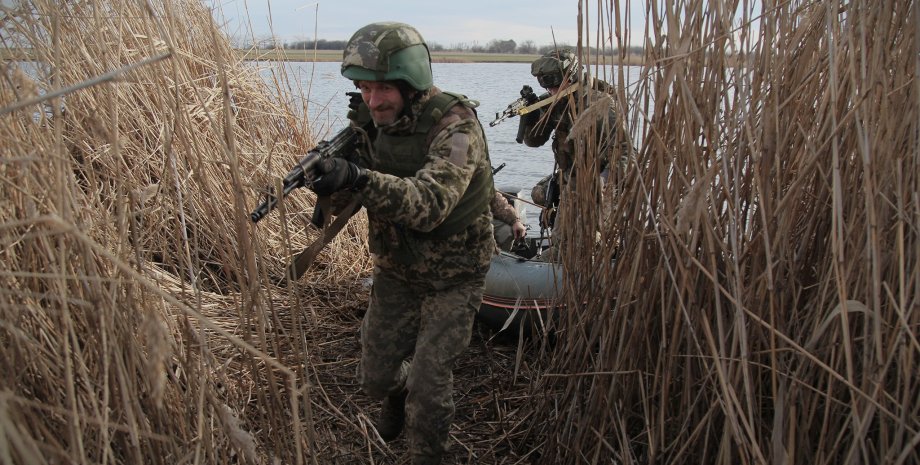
(454, 115)
(459, 148)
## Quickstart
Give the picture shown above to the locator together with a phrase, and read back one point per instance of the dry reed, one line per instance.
(751, 294)
(138, 320)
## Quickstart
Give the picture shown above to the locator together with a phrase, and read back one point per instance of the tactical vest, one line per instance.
(564, 149)
(404, 155)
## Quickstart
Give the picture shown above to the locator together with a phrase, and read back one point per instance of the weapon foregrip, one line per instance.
(303, 171)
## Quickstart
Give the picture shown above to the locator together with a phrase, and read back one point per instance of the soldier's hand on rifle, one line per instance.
(528, 95)
(335, 174)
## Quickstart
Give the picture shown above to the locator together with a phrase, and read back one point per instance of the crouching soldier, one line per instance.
(425, 179)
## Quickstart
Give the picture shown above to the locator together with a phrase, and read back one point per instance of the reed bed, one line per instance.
(748, 294)
(140, 318)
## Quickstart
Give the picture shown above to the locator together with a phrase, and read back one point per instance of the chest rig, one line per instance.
(402, 156)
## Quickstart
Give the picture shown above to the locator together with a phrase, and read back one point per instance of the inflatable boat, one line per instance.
(520, 294)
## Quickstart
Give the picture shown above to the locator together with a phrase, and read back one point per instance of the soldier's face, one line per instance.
(555, 90)
(383, 99)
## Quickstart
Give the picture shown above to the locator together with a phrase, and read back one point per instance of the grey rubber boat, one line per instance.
(520, 294)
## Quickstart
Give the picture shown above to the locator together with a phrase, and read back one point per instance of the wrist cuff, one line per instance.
(360, 181)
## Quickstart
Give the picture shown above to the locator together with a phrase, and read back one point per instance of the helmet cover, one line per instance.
(553, 67)
(388, 51)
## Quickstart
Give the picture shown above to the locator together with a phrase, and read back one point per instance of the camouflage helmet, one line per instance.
(388, 51)
(551, 68)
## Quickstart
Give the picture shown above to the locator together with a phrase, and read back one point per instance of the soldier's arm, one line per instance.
(502, 210)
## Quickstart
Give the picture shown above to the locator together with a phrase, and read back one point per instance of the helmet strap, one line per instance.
(409, 96)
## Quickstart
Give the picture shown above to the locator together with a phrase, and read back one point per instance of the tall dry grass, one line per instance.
(763, 305)
(138, 319)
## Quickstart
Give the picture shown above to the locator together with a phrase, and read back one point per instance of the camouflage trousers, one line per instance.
(430, 326)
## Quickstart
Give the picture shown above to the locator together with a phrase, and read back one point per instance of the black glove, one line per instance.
(529, 96)
(528, 120)
(335, 174)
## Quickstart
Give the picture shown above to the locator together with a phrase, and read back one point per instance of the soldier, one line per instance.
(556, 72)
(425, 179)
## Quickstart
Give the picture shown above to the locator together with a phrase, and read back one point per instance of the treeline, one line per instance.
(527, 47)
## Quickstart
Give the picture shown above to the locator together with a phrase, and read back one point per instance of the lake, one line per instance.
(494, 85)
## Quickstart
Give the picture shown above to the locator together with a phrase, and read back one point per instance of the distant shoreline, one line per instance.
(436, 57)
(24, 54)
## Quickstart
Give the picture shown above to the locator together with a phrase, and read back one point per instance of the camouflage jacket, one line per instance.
(403, 210)
(538, 126)
(502, 210)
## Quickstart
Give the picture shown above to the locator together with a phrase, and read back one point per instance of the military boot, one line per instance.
(392, 417)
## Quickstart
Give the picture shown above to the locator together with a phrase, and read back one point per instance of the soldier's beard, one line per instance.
(384, 115)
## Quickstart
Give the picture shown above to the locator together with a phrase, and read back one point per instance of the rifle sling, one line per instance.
(305, 258)
(542, 103)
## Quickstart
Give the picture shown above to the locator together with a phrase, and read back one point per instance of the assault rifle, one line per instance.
(520, 106)
(527, 103)
(341, 145)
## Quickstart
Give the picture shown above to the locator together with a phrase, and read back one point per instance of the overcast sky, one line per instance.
(445, 23)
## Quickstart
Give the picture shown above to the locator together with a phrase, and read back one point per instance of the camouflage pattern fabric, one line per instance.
(503, 217)
(407, 317)
(371, 46)
(556, 121)
(547, 65)
(398, 208)
(555, 67)
(423, 309)
(502, 209)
